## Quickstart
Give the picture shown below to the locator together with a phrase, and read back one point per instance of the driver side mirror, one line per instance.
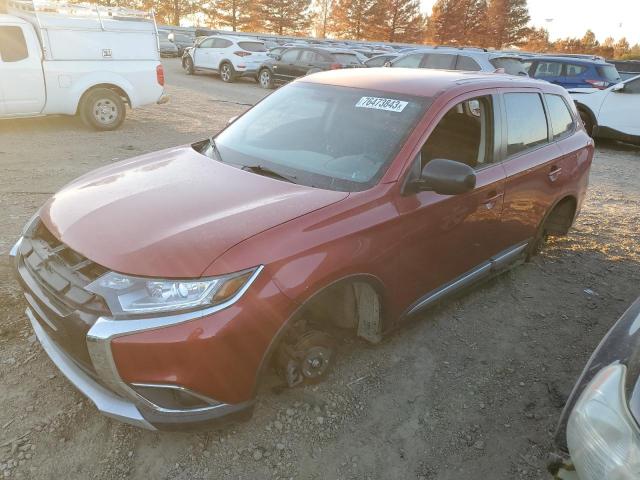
(277, 57)
(446, 177)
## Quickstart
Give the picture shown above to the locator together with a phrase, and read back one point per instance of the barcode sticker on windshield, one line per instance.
(388, 104)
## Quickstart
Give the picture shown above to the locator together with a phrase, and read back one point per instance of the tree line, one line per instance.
(483, 23)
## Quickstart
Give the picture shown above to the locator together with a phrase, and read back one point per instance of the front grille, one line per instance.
(62, 272)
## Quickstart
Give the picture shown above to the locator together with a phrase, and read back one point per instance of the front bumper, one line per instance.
(197, 353)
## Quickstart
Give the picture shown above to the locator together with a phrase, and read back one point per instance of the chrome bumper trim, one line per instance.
(14, 250)
(104, 400)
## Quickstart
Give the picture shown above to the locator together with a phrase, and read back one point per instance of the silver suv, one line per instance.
(461, 58)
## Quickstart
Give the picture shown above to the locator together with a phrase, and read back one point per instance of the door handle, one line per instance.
(492, 199)
(554, 173)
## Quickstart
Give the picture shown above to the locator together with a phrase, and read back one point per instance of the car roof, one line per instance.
(4, 18)
(237, 38)
(423, 82)
(575, 60)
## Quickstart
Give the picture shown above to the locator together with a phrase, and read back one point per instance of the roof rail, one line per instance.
(576, 55)
(462, 47)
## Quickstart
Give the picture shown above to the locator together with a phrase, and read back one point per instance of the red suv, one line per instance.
(165, 285)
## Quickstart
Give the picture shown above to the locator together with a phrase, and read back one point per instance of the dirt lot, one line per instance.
(471, 390)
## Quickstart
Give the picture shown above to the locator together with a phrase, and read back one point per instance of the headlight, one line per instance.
(602, 436)
(125, 294)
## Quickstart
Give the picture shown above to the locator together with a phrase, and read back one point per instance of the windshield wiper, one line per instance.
(266, 171)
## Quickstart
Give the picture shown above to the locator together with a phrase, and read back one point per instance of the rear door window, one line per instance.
(410, 61)
(13, 46)
(467, 64)
(526, 122)
(574, 70)
(561, 119)
(346, 58)
(439, 61)
(290, 56)
(548, 69)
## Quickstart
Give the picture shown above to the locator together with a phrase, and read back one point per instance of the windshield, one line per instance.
(253, 46)
(609, 73)
(512, 66)
(329, 137)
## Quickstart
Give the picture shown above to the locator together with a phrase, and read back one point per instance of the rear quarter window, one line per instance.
(252, 46)
(526, 122)
(609, 73)
(13, 46)
(562, 122)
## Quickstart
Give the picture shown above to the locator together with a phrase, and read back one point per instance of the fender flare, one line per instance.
(589, 111)
(106, 80)
(370, 279)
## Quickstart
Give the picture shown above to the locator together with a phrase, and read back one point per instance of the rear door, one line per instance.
(533, 164)
(620, 110)
(219, 51)
(21, 76)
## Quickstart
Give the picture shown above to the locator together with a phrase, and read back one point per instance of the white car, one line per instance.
(88, 61)
(611, 113)
(230, 56)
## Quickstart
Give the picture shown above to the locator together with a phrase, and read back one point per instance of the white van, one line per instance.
(58, 58)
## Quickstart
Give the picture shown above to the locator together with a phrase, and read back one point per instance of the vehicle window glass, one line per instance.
(526, 122)
(574, 70)
(548, 69)
(526, 66)
(222, 43)
(609, 73)
(208, 43)
(632, 87)
(467, 64)
(330, 137)
(13, 46)
(290, 55)
(410, 61)
(439, 61)
(465, 134)
(511, 66)
(376, 62)
(561, 118)
(252, 46)
(346, 58)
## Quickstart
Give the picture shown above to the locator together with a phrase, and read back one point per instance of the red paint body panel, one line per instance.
(171, 213)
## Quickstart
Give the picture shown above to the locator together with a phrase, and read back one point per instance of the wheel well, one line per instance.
(315, 307)
(587, 110)
(109, 86)
(561, 217)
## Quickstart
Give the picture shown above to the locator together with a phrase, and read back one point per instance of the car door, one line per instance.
(306, 61)
(283, 68)
(202, 54)
(21, 75)
(450, 238)
(220, 51)
(620, 110)
(533, 162)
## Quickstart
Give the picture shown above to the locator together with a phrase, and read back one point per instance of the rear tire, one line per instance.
(187, 64)
(586, 121)
(557, 223)
(227, 73)
(102, 109)
(265, 79)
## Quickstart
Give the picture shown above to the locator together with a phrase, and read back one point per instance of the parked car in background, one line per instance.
(84, 66)
(598, 436)
(300, 61)
(627, 68)
(573, 71)
(230, 56)
(612, 113)
(167, 47)
(182, 40)
(380, 60)
(467, 59)
(343, 204)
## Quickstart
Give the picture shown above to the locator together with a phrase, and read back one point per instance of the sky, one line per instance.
(571, 18)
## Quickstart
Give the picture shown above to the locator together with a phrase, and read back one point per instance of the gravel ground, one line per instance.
(473, 389)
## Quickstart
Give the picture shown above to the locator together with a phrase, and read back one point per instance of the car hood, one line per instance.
(172, 213)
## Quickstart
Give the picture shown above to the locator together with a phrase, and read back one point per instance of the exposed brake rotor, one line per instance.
(307, 358)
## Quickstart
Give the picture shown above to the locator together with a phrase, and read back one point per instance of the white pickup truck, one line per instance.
(90, 61)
